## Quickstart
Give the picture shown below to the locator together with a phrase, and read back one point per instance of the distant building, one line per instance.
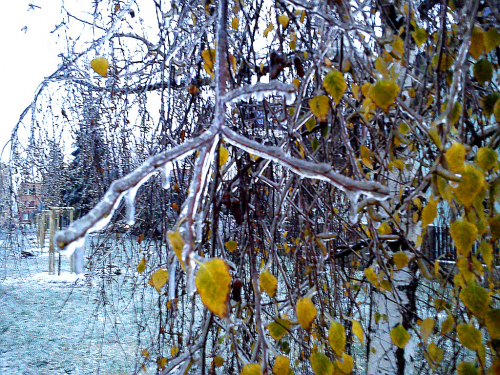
(29, 201)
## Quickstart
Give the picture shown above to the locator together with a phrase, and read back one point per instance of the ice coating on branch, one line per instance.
(130, 200)
(260, 90)
(165, 175)
(171, 278)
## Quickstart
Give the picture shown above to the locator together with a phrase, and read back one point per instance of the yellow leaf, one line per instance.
(208, 57)
(464, 234)
(218, 361)
(447, 325)
(141, 266)
(321, 365)
(429, 213)
(400, 260)
(471, 185)
(476, 299)
(279, 328)
(426, 328)
(366, 156)
(384, 228)
(302, 16)
(469, 336)
(269, 283)
(398, 46)
(174, 351)
(491, 40)
(283, 21)
(486, 158)
(493, 323)
(231, 245)
(420, 36)
(282, 366)
(467, 368)
(158, 279)
(400, 336)
(381, 67)
(371, 276)
(384, 93)
(336, 337)
(483, 71)
(223, 156)
(176, 243)
(334, 83)
(251, 369)
(306, 312)
(477, 42)
(487, 253)
(296, 82)
(346, 364)
(455, 113)
(162, 362)
(357, 329)
(319, 107)
(455, 156)
(310, 124)
(435, 353)
(269, 28)
(213, 283)
(145, 353)
(100, 66)
(235, 23)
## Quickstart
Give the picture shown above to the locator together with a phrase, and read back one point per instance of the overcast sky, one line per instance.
(28, 55)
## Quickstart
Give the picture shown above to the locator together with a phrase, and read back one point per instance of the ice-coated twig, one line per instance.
(304, 168)
(261, 89)
(106, 206)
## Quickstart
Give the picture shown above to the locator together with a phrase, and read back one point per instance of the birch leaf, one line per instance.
(319, 107)
(471, 185)
(463, 234)
(357, 329)
(486, 158)
(279, 328)
(251, 369)
(321, 365)
(346, 364)
(477, 43)
(282, 366)
(231, 245)
(467, 368)
(158, 279)
(429, 213)
(420, 36)
(488, 103)
(384, 228)
(269, 28)
(213, 283)
(269, 283)
(306, 312)
(483, 71)
(336, 337)
(310, 124)
(400, 260)
(218, 361)
(384, 93)
(426, 328)
(491, 40)
(141, 266)
(435, 353)
(100, 66)
(487, 253)
(176, 243)
(455, 156)
(223, 156)
(235, 23)
(283, 21)
(208, 57)
(493, 323)
(400, 336)
(372, 277)
(469, 336)
(334, 83)
(476, 299)
(447, 325)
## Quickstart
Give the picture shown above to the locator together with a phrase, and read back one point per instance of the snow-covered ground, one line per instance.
(51, 324)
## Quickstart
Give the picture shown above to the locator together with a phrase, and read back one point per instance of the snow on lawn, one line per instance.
(49, 324)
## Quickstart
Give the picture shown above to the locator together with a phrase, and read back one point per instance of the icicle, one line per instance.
(130, 202)
(171, 278)
(190, 282)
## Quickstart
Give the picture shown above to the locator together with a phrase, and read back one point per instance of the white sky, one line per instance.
(26, 56)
